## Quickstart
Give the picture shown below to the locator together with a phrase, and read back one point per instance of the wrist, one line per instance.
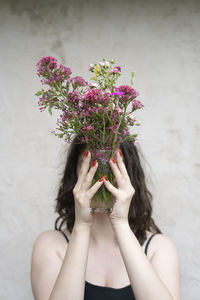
(81, 226)
(120, 223)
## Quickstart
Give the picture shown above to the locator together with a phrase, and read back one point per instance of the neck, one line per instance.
(102, 233)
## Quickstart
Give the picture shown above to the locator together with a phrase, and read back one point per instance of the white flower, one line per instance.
(132, 120)
(101, 64)
(94, 84)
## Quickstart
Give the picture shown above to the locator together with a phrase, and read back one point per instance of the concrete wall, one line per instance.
(160, 40)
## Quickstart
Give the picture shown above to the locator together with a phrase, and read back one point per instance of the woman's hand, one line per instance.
(124, 191)
(83, 192)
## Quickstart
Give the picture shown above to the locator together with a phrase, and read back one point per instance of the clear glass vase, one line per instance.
(103, 200)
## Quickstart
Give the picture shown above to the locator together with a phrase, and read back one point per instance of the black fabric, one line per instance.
(147, 244)
(98, 292)
(65, 236)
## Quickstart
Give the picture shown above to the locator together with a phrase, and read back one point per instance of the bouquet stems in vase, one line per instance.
(102, 201)
(96, 112)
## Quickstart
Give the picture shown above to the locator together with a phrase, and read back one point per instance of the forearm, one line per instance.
(70, 283)
(144, 281)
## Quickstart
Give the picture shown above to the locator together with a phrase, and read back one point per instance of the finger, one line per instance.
(94, 188)
(121, 165)
(84, 168)
(116, 171)
(110, 187)
(90, 175)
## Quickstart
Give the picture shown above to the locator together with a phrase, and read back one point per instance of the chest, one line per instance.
(105, 267)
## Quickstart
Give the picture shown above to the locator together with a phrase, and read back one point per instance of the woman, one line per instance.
(104, 255)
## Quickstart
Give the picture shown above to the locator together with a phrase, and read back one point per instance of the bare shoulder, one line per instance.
(49, 237)
(46, 262)
(45, 248)
(51, 241)
(161, 242)
(166, 262)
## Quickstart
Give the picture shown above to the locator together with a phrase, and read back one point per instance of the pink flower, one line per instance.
(101, 63)
(65, 71)
(96, 96)
(117, 93)
(113, 128)
(74, 98)
(128, 91)
(47, 62)
(85, 112)
(45, 99)
(78, 81)
(90, 67)
(80, 104)
(96, 112)
(131, 120)
(48, 69)
(89, 127)
(137, 105)
(114, 71)
(125, 131)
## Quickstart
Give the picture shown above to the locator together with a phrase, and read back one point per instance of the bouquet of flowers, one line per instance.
(97, 112)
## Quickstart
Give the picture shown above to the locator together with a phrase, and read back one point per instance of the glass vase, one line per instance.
(103, 200)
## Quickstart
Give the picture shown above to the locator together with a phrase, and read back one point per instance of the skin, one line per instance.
(101, 231)
(122, 191)
(102, 234)
(57, 267)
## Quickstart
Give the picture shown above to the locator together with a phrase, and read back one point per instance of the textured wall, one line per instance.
(160, 40)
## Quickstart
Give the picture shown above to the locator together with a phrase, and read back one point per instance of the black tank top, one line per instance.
(97, 292)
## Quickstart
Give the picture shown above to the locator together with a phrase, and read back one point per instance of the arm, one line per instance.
(55, 281)
(50, 280)
(159, 280)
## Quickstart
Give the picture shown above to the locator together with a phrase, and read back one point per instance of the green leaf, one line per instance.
(39, 93)
(49, 110)
(128, 138)
(132, 75)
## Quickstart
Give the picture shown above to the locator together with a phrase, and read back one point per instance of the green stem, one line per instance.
(103, 130)
(114, 140)
(130, 112)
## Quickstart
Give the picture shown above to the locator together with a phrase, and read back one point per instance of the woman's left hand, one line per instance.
(124, 191)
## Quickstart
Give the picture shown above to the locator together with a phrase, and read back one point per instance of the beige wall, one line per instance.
(160, 40)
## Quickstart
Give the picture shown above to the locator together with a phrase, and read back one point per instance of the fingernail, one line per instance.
(105, 177)
(86, 153)
(120, 152)
(94, 163)
(113, 160)
(101, 179)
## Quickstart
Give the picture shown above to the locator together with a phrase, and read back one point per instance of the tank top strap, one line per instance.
(64, 236)
(147, 244)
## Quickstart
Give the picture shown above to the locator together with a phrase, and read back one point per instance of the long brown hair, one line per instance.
(140, 211)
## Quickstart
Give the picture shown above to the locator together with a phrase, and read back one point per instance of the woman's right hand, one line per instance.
(83, 192)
